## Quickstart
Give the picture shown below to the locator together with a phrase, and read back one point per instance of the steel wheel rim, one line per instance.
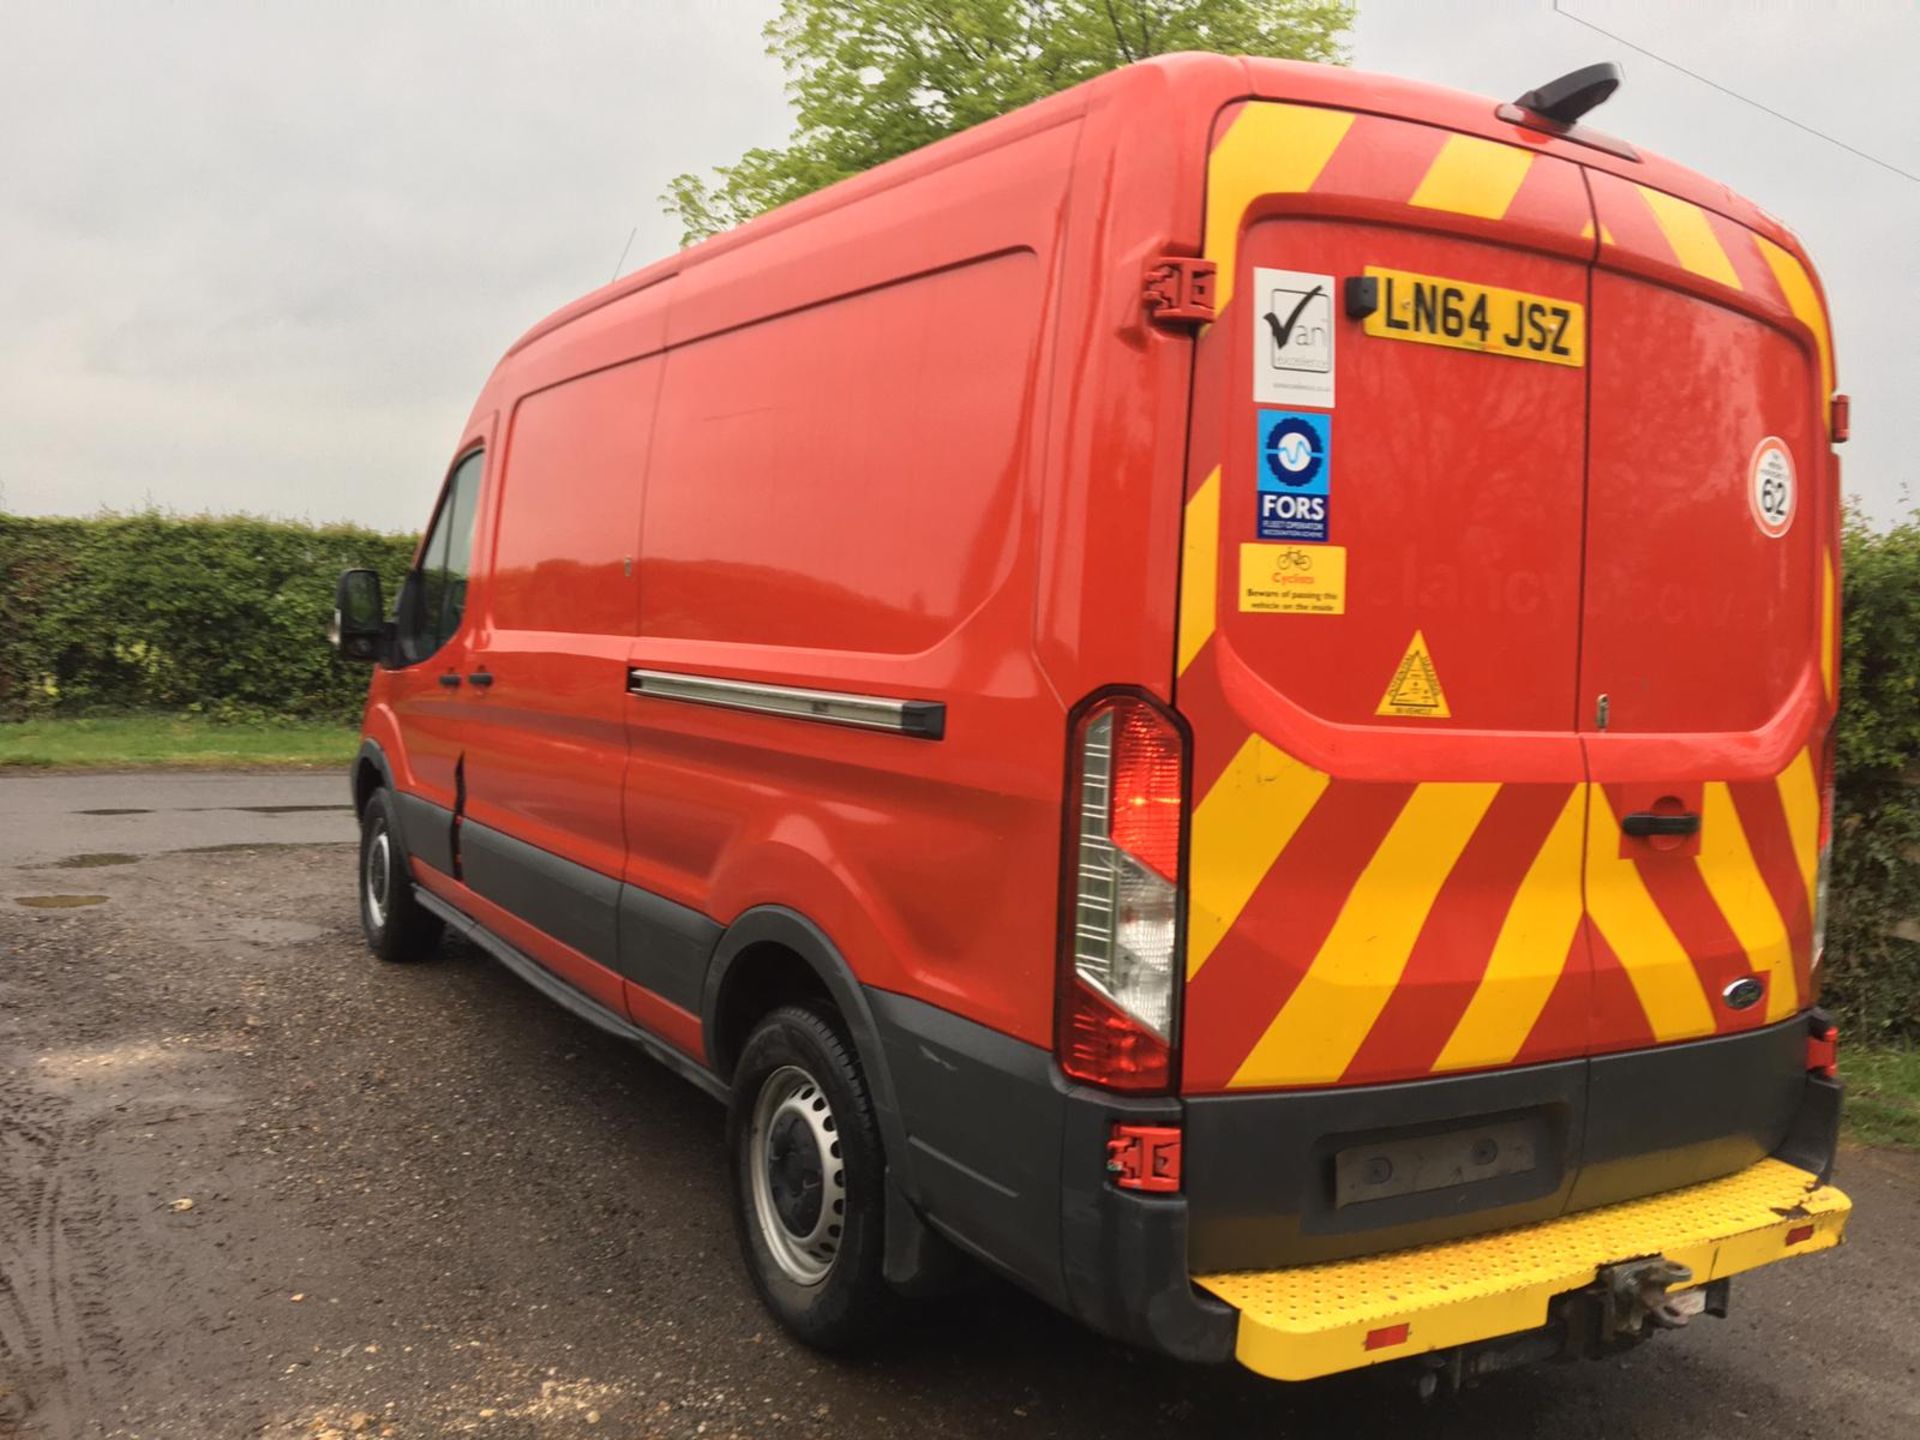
(379, 876)
(798, 1178)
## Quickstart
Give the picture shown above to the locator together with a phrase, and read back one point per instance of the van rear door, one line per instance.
(1380, 610)
(1707, 665)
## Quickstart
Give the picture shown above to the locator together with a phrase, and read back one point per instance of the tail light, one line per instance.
(1823, 1045)
(1120, 956)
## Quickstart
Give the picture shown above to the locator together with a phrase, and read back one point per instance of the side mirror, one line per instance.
(359, 630)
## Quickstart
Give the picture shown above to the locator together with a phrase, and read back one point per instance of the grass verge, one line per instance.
(1883, 1094)
(177, 741)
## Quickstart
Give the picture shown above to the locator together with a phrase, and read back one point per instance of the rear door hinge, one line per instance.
(1179, 290)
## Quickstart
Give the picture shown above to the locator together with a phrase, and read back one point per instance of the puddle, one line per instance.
(113, 812)
(284, 809)
(58, 902)
(237, 847)
(93, 861)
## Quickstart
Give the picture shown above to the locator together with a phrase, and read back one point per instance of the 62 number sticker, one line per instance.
(1770, 488)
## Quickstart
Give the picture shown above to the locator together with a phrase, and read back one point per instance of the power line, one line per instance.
(1735, 94)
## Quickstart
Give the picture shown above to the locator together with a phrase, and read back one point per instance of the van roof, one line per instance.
(1199, 85)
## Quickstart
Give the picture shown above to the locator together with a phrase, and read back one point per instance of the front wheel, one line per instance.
(396, 925)
(810, 1182)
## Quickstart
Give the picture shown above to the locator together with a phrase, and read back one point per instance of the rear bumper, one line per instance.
(1006, 1159)
(1314, 1320)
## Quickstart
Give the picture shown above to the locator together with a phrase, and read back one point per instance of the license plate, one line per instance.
(1434, 310)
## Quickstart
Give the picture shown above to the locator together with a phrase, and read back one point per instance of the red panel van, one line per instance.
(1213, 695)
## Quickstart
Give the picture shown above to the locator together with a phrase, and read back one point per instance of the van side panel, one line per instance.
(836, 500)
(544, 761)
(845, 478)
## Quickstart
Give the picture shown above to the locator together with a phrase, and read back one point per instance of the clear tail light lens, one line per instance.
(1121, 956)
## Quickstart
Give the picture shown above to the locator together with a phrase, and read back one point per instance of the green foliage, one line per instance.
(1883, 1094)
(1873, 937)
(225, 618)
(873, 79)
(176, 741)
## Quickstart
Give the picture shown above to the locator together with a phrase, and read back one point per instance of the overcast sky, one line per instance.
(261, 256)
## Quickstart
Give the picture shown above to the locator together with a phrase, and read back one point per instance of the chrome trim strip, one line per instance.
(921, 719)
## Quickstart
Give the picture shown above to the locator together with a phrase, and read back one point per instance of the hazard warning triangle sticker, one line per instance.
(1415, 690)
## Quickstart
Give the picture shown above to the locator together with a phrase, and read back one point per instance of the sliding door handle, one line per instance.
(450, 680)
(482, 678)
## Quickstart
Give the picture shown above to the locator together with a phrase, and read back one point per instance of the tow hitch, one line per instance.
(1635, 1297)
(1626, 1304)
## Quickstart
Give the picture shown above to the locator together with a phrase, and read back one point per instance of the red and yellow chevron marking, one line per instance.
(1359, 932)
(1714, 249)
(1345, 930)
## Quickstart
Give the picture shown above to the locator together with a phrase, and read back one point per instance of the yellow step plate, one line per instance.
(1318, 1319)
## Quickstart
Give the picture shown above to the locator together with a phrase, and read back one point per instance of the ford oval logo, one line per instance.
(1743, 993)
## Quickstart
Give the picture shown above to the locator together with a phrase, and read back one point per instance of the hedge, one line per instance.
(1873, 934)
(227, 617)
(223, 617)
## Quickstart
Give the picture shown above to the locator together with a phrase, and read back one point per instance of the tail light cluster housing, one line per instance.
(1124, 902)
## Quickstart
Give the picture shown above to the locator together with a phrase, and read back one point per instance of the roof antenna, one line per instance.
(623, 255)
(1565, 100)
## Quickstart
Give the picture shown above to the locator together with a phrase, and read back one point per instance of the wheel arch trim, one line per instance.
(788, 929)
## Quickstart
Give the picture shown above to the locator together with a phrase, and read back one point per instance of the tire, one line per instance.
(397, 926)
(800, 1112)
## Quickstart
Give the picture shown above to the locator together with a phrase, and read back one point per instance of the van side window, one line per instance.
(435, 595)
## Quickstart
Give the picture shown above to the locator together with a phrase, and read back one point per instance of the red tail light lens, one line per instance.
(1823, 1045)
(1147, 762)
(1119, 963)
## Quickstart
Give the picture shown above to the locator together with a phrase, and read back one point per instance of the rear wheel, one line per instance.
(809, 1181)
(397, 926)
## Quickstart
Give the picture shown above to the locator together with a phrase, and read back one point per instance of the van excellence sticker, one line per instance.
(1293, 335)
(1295, 469)
(1293, 579)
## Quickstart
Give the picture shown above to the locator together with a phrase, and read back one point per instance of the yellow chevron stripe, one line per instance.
(1734, 880)
(1529, 954)
(1239, 830)
(1656, 963)
(1199, 569)
(1691, 235)
(1471, 176)
(1317, 1032)
(1829, 640)
(1804, 301)
(1269, 149)
(1800, 797)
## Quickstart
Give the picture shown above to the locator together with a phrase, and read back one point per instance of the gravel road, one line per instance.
(254, 1183)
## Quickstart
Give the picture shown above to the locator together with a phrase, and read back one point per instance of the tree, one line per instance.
(872, 79)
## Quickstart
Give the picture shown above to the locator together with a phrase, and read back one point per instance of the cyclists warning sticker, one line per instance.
(1415, 690)
(1293, 579)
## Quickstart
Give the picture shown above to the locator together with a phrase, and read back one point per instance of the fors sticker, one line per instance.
(1295, 476)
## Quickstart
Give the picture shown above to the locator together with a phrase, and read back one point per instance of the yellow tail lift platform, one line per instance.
(1319, 1319)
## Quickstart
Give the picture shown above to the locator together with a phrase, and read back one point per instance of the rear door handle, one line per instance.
(1648, 822)
(450, 680)
(482, 678)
